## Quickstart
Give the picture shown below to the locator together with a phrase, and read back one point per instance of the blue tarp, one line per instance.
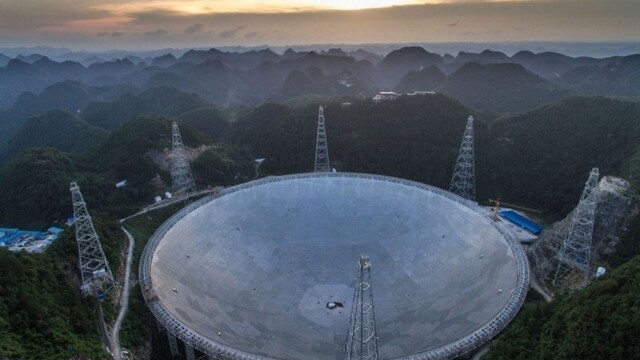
(521, 221)
(11, 236)
(55, 230)
(8, 236)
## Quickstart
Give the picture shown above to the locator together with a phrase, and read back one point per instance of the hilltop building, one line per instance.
(390, 95)
(385, 96)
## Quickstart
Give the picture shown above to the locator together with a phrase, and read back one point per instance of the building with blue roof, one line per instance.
(31, 241)
(8, 236)
(55, 230)
(521, 221)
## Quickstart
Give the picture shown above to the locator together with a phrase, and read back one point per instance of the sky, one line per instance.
(152, 24)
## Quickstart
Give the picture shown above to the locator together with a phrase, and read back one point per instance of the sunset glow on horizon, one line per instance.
(171, 23)
(200, 7)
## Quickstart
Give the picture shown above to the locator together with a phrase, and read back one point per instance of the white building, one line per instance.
(385, 96)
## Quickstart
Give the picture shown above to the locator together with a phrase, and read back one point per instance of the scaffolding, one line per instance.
(575, 252)
(463, 181)
(95, 272)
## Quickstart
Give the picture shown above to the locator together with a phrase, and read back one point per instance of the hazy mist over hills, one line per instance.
(585, 48)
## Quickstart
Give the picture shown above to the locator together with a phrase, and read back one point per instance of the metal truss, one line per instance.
(94, 267)
(463, 181)
(362, 341)
(322, 151)
(576, 247)
(180, 171)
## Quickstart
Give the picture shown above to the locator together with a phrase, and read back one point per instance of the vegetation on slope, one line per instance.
(42, 313)
(224, 165)
(158, 101)
(499, 87)
(542, 158)
(600, 322)
(210, 120)
(32, 187)
(58, 129)
(426, 79)
(123, 154)
(37, 182)
(539, 159)
(412, 137)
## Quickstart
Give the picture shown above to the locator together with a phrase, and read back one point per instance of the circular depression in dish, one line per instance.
(252, 270)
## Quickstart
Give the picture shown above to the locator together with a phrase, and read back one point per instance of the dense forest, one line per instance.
(40, 177)
(57, 129)
(542, 158)
(600, 322)
(525, 158)
(42, 314)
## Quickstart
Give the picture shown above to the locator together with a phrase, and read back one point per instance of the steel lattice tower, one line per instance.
(362, 341)
(180, 170)
(322, 151)
(94, 267)
(463, 182)
(576, 248)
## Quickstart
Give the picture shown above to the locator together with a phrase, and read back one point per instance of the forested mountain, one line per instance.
(4, 59)
(542, 157)
(210, 120)
(615, 79)
(36, 184)
(499, 87)
(427, 79)
(412, 137)
(527, 158)
(71, 133)
(253, 77)
(123, 154)
(39, 178)
(600, 322)
(223, 164)
(58, 129)
(312, 81)
(67, 95)
(42, 315)
(158, 101)
(397, 63)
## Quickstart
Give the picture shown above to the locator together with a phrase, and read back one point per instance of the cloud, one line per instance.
(112, 34)
(230, 33)
(253, 35)
(193, 29)
(159, 32)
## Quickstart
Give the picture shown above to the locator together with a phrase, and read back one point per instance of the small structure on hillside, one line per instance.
(385, 96)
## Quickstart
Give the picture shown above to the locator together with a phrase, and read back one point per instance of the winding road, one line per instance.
(113, 339)
(114, 336)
